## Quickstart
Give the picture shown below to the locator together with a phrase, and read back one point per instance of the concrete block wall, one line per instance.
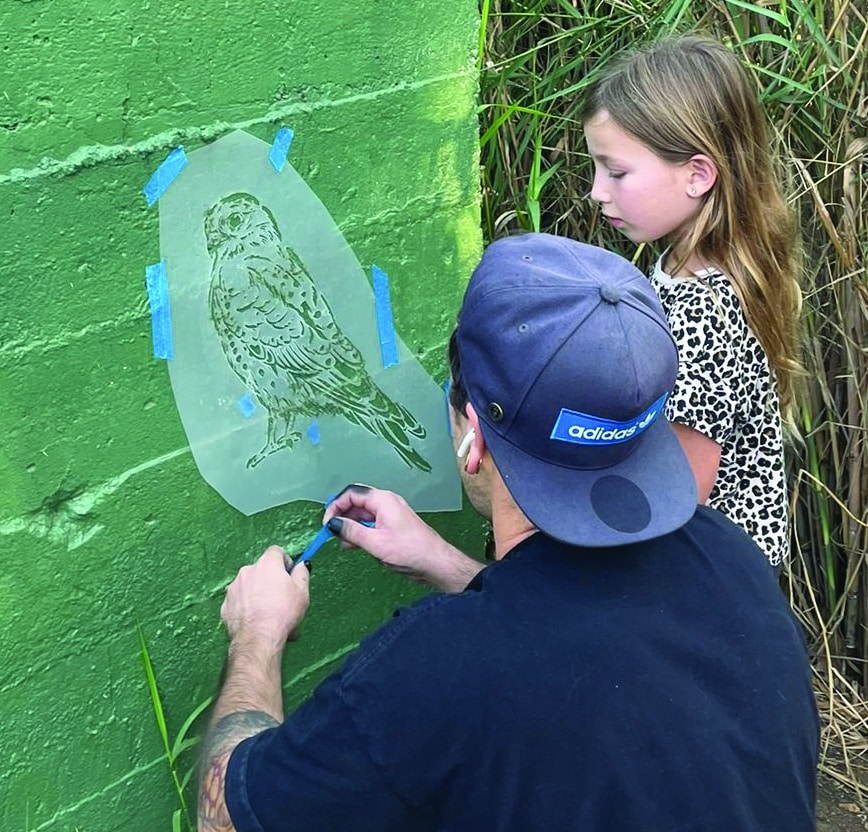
(104, 520)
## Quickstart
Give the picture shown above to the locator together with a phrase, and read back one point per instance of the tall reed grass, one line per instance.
(810, 61)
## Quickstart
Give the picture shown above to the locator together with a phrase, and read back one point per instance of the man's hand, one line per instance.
(262, 610)
(264, 605)
(400, 539)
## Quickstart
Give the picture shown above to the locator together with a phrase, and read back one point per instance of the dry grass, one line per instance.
(810, 61)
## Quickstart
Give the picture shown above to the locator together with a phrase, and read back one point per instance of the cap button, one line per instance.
(495, 412)
(610, 294)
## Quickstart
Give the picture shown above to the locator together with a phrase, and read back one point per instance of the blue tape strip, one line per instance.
(161, 315)
(385, 325)
(247, 406)
(446, 386)
(313, 433)
(165, 175)
(322, 535)
(315, 545)
(280, 148)
(320, 539)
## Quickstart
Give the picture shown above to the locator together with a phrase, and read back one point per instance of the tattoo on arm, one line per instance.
(219, 743)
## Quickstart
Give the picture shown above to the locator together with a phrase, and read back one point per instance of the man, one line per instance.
(626, 663)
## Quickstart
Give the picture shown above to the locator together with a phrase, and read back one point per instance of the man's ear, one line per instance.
(702, 175)
(477, 447)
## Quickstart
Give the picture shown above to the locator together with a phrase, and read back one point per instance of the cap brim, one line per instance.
(649, 494)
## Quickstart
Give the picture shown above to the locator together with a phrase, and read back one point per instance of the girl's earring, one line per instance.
(693, 192)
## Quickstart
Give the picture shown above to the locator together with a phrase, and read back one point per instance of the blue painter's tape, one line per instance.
(165, 175)
(320, 539)
(385, 324)
(446, 386)
(322, 536)
(247, 406)
(313, 433)
(161, 315)
(280, 148)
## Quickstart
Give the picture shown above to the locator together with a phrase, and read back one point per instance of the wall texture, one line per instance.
(104, 520)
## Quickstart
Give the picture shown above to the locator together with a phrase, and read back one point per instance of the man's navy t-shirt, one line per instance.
(657, 686)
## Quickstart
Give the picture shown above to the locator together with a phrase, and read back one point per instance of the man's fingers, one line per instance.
(349, 531)
(354, 496)
(274, 553)
(301, 577)
(355, 488)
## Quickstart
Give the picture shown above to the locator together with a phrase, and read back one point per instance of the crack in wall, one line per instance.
(299, 677)
(219, 589)
(67, 516)
(27, 345)
(86, 157)
(421, 206)
(61, 813)
(320, 664)
(113, 636)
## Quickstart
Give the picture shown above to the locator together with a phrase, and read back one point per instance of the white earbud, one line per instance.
(464, 447)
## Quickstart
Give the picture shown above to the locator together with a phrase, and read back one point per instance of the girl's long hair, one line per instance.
(691, 95)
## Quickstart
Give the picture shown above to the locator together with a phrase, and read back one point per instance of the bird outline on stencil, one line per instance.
(280, 338)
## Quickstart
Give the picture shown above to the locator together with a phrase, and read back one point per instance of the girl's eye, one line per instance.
(616, 175)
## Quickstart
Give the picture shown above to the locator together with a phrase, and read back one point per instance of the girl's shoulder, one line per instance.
(707, 294)
(710, 279)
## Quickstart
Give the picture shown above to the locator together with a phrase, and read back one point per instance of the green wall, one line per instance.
(104, 520)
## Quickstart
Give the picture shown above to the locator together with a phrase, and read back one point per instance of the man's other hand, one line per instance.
(399, 539)
(264, 604)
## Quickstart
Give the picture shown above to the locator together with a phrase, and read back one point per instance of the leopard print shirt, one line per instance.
(726, 390)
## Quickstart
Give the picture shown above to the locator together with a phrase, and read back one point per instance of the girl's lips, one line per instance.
(616, 221)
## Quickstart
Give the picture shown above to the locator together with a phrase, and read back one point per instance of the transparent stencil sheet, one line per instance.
(278, 374)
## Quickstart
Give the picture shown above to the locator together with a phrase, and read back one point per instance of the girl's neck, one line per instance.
(677, 264)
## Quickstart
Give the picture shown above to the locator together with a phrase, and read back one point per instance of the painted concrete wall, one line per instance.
(104, 520)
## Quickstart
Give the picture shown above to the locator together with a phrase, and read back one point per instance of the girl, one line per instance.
(682, 154)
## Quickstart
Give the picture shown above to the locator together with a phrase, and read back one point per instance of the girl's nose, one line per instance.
(598, 191)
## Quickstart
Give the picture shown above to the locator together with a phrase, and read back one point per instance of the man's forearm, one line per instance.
(249, 702)
(212, 814)
(455, 571)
